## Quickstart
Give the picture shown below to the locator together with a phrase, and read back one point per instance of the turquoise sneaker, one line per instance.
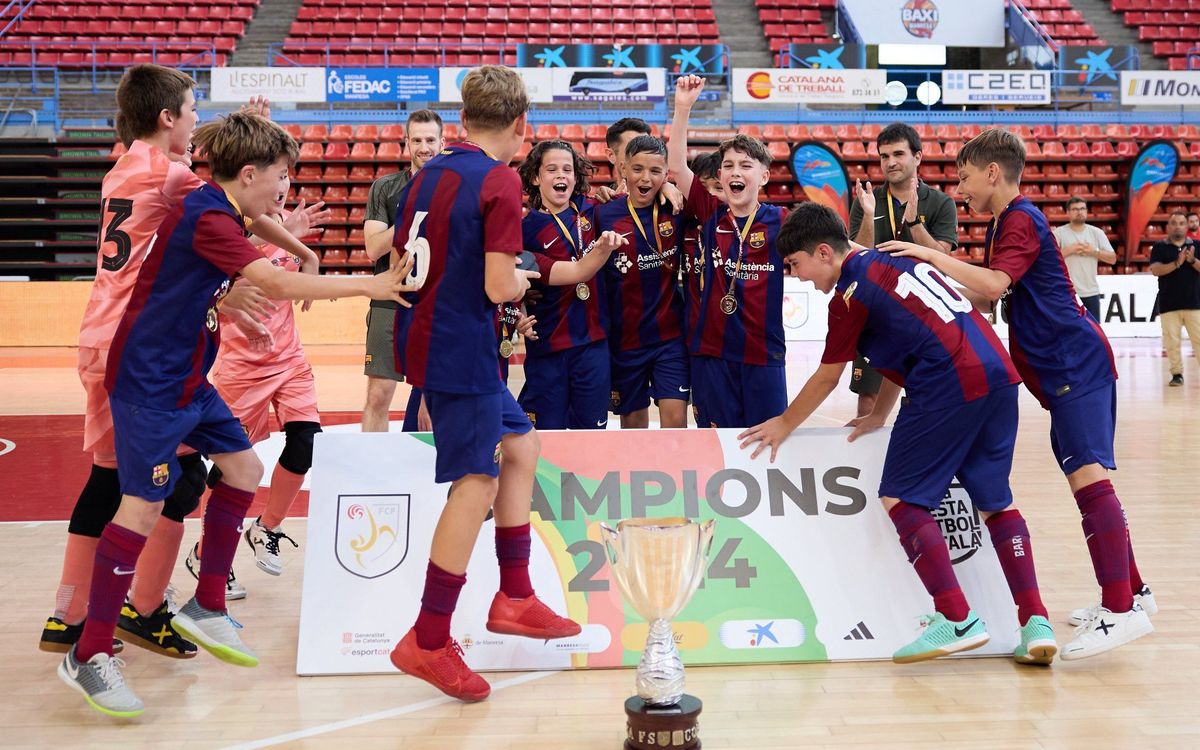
(1037, 642)
(942, 637)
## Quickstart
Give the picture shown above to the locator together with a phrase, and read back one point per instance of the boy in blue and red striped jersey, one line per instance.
(460, 220)
(704, 168)
(959, 419)
(160, 395)
(738, 346)
(645, 336)
(1066, 363)
(567, 365)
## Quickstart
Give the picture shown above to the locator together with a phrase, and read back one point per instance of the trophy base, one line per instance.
(654, 727)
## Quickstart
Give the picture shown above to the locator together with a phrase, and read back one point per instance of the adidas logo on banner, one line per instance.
(860, 633)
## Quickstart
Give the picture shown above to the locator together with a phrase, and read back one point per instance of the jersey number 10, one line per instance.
(929, 286)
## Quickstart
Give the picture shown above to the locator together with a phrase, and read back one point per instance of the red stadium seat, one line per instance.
(389, 150)
(366, 133)
(362, 151)
(337, 150)
(311, 151)
(316, 133)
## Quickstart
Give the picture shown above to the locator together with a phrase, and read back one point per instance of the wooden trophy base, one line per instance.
(656, 727)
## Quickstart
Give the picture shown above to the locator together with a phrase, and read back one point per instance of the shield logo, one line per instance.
(372, 533)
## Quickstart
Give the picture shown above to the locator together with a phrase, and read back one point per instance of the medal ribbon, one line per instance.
(575, 245)
(638, 222)
(741, 235)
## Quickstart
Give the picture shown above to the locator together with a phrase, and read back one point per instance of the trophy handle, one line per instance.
(611, 545)
(707, 532)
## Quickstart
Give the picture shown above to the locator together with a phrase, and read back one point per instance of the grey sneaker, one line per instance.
(100, 683)
(1176, 381)
(233, 589)
(215, 632)
(264, 543)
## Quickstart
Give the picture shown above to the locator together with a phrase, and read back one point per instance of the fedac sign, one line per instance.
(678, 59)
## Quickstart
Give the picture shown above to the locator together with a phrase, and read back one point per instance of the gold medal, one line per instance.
(583, 291)
(506, 348)
(729, 304)
(211, 319)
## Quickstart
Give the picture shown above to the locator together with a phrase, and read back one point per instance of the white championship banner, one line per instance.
(805, 565)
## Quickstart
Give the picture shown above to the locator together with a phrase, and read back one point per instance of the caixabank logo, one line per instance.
(920, 18)
(371, 539)
(959, 521)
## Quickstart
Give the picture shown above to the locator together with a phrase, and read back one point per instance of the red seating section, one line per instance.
(1064, 24)
(1172, 27)
(795, 21)
(122, 30)
(357, 31)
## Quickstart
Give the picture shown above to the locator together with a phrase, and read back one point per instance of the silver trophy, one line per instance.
(658, 563)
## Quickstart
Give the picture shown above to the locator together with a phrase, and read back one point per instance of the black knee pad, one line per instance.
(214, 476)
(298, 446)
(185, 498)
(97, 503)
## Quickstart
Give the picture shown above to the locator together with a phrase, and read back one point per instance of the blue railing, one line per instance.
(20, 103)
(845, 25)
(1030, 38)
(21, 6)
(191, 57)
(278, 56)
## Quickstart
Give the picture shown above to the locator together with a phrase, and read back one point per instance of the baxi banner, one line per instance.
(957, 23)
(680, 59)
(823, 176)
(804, 566)
(1152, 172)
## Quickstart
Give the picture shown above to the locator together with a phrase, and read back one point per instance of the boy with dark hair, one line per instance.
(387, 323)
(645, 338)
(459, 220)
(618, 136)
(960, 418)
(1066, 363)
(160, 397)
(705, 167)
(737, 346)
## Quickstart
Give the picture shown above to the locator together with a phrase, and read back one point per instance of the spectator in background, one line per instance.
(1173, 261)
(1083, 247)
(1194, 226)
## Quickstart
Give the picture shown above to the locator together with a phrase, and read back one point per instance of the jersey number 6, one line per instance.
(418, 247)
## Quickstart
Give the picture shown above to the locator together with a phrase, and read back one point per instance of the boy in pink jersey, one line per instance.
(155, 119)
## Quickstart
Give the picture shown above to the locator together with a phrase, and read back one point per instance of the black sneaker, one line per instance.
(154, 632)
(1176, 381)
(59, 637)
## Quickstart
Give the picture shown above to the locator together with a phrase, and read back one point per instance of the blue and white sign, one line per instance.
(538, 82)
(607, 84)
(381, 84)
(996, 86)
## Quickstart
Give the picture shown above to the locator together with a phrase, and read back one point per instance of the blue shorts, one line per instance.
(973, 441)
(698, 411)
(649, 372)
(568, 389)
(732, 394)
(147, 438)
(411, 410)
(467, 429)
(1083, 429)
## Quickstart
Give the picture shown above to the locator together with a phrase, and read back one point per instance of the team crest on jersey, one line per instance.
(666, 228)
(160, 474)
(624, 263)
(758, 239)
(584, 224)
(496, 454)
(532, 416)
(849, 292)
(614, 399)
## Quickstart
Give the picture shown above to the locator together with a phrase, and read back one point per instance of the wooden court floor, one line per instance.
(1141, 696)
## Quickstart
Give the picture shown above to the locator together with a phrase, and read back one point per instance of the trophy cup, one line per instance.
(658, 563)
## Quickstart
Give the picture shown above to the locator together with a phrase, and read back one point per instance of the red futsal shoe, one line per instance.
(443, 668)
(528, 617)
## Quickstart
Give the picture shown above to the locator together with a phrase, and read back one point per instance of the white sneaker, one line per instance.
(1106, 631)
(100, 683)
(216, 632)
(233, 589)
(1144, 597)
(264, 543)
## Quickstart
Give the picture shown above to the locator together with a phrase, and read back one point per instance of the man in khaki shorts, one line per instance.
(423, 139)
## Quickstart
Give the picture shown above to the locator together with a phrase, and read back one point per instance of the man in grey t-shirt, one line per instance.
(423, 139)
(1083, 246)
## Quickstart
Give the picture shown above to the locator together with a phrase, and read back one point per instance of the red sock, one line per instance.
(223, 517)
(70, 603)
(156, 564)
(284, 487)
(437, 606)
(922, 541)
(1135, 578)
(116, 556)
(1010, 538)
(1108, 543)
(512, 551)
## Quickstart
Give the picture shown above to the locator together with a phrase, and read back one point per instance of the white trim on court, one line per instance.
(390, 713)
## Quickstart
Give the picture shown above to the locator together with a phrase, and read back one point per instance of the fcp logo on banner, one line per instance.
(372, 533)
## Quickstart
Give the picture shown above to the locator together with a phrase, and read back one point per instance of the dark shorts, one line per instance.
(412, 410)
(382, 343)
(732, 394)
(1092, 305)
(649, 372)
(467, 429)
(568, 389)
(973, 441)
(147, 438)
(1083, 429)
(864, 380)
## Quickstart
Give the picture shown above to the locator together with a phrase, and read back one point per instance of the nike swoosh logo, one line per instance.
(725, 231)
(72, 671)
(117, 571)
(960, 632)
(602, 424)
(547, 245)
(684, 390)
(878, 217)
(1068, 458)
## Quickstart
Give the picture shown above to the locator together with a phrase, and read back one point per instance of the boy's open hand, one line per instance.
(769, 434)
(907, 250)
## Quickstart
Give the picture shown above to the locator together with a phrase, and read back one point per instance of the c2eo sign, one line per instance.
(996, 87)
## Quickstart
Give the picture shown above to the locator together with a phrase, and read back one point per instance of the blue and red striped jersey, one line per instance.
(564, 320)
(507, 316)
(916, 330)
(645, 306)
(753, 333)
(693, 287)
(460, 206)
(1060, 351)
(168, 337)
